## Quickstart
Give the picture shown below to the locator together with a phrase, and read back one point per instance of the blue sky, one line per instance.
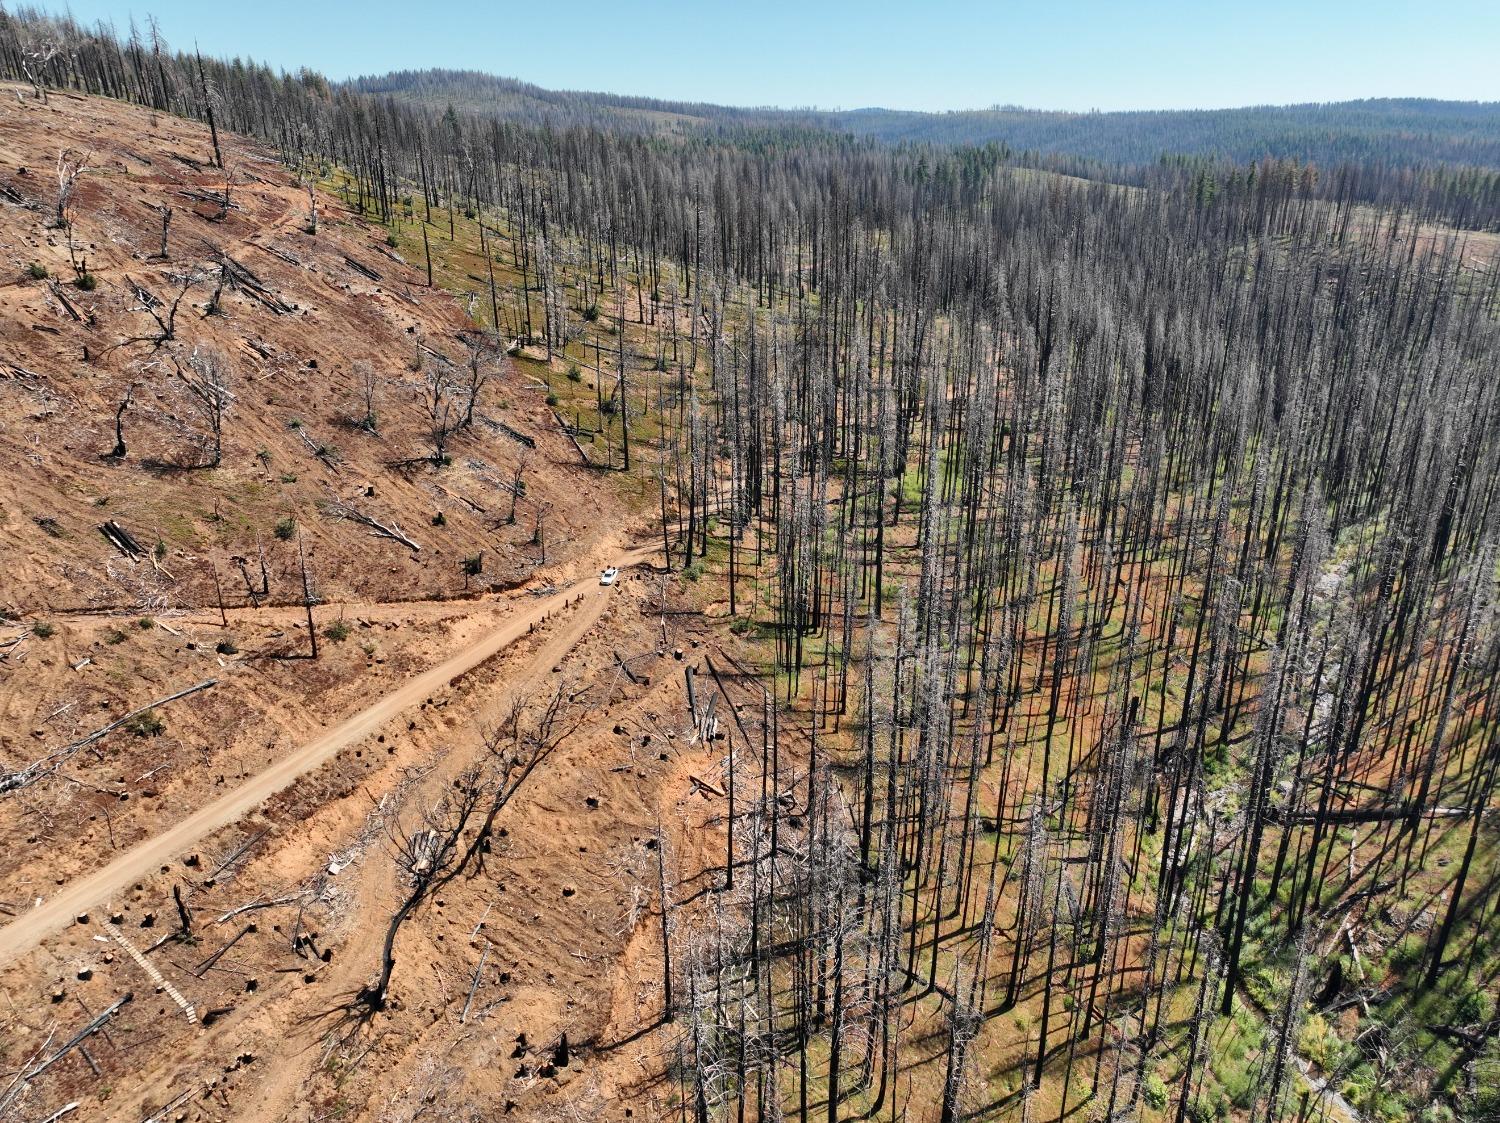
(943, 54)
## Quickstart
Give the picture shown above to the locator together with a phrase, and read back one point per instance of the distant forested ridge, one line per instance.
(476, 91)
(1442, 157)
(1401, 132)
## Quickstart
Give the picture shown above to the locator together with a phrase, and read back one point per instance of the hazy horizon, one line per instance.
(993, 107)
(957, 57)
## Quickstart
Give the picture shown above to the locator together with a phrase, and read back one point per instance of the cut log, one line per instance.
(122, 539)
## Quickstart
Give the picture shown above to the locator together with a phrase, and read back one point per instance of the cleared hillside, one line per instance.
(318, 334)
(225, 813)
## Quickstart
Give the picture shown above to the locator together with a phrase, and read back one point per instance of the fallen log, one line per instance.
(209, 197)
(704, 785)
(583, 456)
(363, 270)
(322, 452)
(1364, 815)
(82, 1035)
(474, 986)
(475, 507)
(65, 302)
(1473, 1039)
(170, 1106)
(218, 955)
(394, 532)
(234, 857)
(50, 763)
(625, 666)
(517, 435)
(147, 298)
(247, 282)
(734, 713)
(254, 905)
(286, 257)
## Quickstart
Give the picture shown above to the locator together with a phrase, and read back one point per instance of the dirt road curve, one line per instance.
(91, 892)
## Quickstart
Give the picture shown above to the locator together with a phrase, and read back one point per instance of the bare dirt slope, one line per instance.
(297, 314)
(269, 803)
(89, 632)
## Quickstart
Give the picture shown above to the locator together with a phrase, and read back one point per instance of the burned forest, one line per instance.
(1046, 664)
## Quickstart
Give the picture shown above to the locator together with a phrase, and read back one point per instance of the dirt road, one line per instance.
(93, 891)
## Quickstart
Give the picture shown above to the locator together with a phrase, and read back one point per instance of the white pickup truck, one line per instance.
(608, 576)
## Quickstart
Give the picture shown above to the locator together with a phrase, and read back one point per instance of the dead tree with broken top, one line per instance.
(126, 400)
(308, 600)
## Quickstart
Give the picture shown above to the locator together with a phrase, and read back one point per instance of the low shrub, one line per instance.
(147, 723)
(1475, 1005)
(1154, 1089)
